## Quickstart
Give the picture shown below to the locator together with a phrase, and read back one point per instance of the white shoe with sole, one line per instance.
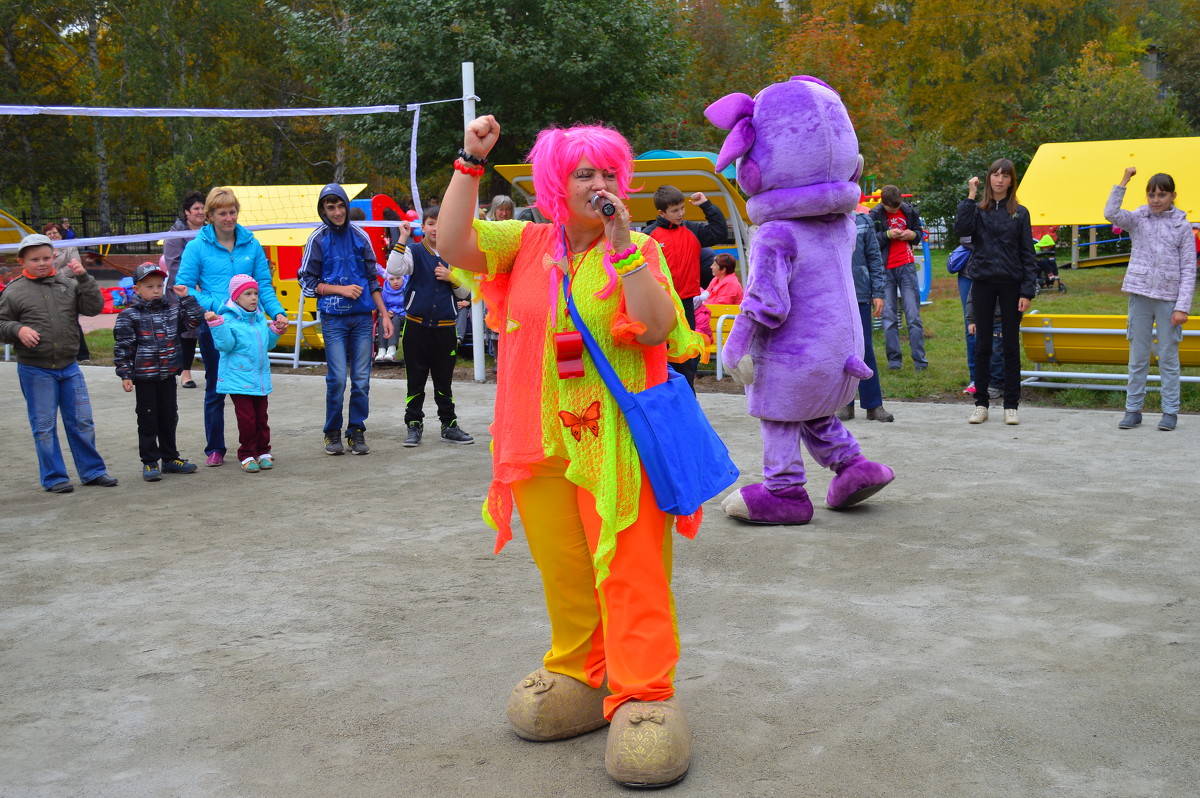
(978, 415)
(1010, 416)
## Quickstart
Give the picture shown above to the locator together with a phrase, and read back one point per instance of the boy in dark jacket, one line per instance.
(38, 313)
(897, 226)
(147, 351)
(429, 340)
(338, 268)
(682, 242)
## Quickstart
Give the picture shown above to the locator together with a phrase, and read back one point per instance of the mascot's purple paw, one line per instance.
(756, 504)
(856, 480)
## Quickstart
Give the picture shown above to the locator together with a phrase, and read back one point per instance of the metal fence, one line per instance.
(86, 224)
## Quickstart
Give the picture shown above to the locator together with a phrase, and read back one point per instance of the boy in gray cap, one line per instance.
(37, 314)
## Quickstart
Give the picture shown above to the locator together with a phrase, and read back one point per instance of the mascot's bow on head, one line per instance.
(797, 345)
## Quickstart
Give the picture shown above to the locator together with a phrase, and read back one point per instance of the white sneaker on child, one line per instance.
(379, 356)
(390, 355)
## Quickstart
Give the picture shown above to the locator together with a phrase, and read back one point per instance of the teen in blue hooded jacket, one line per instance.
(222, 249)
(338, 268)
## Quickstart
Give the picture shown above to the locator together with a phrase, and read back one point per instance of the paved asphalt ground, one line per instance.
(1016, 615)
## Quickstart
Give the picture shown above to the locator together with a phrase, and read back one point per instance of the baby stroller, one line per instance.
(1048, 278)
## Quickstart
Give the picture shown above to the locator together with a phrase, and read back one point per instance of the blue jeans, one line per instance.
(214, 403)
(348, 342)
(903, 280)
(47, 391)
(964, 287)
(870, 395)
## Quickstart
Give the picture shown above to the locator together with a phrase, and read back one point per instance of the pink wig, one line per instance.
(557, 152)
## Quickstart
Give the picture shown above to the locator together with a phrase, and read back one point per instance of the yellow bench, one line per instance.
(1091, 339)
(722, 324)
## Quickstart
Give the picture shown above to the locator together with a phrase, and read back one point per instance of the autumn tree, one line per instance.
(965, 69)
(726, 46)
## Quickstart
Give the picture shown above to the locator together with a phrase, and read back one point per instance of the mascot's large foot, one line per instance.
(856, 480)
(649, 744)
(756, 504)
(550, 706)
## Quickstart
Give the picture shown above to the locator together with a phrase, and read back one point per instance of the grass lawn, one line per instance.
(1096, 290)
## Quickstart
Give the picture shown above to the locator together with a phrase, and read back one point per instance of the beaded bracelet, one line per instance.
(474, 160)
(472, 171)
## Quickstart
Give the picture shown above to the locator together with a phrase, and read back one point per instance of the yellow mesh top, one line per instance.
(538, 415)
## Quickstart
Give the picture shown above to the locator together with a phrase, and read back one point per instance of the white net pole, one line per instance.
(477, 340)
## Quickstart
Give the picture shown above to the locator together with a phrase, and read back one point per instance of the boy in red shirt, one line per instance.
(681, 244)
(897, 226)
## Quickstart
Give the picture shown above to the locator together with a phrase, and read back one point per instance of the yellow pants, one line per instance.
(626, 629)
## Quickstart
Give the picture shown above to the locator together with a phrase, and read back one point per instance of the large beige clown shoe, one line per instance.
(550, 706)
(649, 744)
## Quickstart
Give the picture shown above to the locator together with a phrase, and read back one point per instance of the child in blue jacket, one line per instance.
(243, 336)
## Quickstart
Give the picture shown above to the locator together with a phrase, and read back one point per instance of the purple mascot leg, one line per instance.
(780, 498)
(857, 478)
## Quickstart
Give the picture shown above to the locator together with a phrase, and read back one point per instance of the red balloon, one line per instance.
(411, 216)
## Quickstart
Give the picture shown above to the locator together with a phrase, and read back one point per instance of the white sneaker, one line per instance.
(380, 355)
(1010, 416)
(390, 354)
(978, 415)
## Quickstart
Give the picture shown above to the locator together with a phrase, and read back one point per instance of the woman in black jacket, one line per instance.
(1003, 270)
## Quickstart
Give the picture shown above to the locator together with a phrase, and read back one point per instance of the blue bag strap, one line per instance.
(603, 367)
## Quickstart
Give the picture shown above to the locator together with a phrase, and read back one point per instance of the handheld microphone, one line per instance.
(602, 205)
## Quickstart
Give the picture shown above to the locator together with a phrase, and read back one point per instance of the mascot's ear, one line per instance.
(726, 112)
(733, 112)
(737, 143)
(859, 169)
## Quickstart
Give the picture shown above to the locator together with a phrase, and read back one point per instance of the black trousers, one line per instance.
(688, 367)
(157, 418)
(429, 351)
(985, 296)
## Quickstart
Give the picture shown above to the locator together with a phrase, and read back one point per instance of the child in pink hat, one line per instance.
(243, 336)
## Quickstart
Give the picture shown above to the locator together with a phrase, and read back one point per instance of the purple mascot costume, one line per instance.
(797, 345)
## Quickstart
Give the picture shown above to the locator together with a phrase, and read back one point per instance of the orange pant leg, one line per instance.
(641, 636)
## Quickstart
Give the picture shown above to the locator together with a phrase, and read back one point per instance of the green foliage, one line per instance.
(1181, 72)
(537, 63)
(1096, 98)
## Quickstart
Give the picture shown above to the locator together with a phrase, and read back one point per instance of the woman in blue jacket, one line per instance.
(222, 249)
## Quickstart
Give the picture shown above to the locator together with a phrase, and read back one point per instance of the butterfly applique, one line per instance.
(577, 424)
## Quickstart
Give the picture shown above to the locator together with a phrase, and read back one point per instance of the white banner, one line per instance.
(228, 113)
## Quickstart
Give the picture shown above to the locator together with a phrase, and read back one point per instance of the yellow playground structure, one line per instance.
(1068, 184)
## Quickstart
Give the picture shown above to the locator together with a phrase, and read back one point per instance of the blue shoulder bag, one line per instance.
(686, 460)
